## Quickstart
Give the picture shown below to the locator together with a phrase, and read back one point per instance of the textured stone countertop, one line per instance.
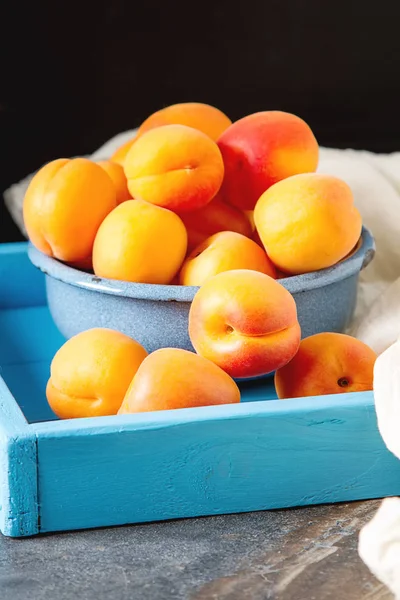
(297, 554)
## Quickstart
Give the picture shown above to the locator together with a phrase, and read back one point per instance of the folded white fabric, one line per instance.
(379, 545)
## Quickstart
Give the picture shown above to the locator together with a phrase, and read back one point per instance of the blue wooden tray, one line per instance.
(261, 454)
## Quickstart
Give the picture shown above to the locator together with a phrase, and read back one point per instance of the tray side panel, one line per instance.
(266, 460)
(18, 470)
(26, 289)
(19, 515)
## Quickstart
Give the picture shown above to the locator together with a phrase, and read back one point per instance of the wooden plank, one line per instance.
(26, 289)
(18, 470)
(215, 460)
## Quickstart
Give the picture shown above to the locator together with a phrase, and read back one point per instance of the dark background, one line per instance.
(75, 73)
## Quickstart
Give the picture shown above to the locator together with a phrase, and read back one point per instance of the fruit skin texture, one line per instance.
(117, 176)
(307, 222)
(175, 167)
(173, 378)
(91, 373)
(224, 251)
(64, 206)
(245, 322)
(207, 119)
(260, 150)
(120, 153)
(140, 242)
(214, 217)
(327, 363)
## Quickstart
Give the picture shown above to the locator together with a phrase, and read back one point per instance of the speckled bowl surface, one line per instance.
(157, 315)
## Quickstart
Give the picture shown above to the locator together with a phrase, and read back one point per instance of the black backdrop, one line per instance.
(74, 73)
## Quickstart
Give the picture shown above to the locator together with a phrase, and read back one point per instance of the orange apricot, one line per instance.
(91, 373)
(140, 242)
(260, 150)
(214, 217)
(205, 118)
(327, 363)
(245, 322)
(117, 176)
(224, 251)
(307, 222)
(64, 206)
(120, 153)
(173, 378)
(175, 167)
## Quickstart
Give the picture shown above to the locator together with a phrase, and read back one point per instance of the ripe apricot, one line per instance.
(65, 204)
(327, 363)
(120, 153)
(214, 217)
(175, 167)
(140, 242)
(117, 176)
(224, 251)
(245, 322)
(205, 118)
(307, 222)
(173, 378)
(91, 373)
(260, 150)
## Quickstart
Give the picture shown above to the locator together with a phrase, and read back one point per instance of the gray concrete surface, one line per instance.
(301, 554)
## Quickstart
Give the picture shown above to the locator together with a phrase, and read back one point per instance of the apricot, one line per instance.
(307, 222)
(91, 373)
(256, 238)
(245, 322)
(327, 363)
(175, 167)
(140, 242)
(173, 378)
(214, 217)
(224, 251)
(83, 265)
(260, 150)
(205, 118)
(250, 215)
(120, 153)
(117, 176)
(65, 204)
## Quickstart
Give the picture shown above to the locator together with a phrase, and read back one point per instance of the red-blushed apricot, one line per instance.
(214, 217)
(65, 204)
(327, 363)
(250, 216)
(245, 322)
(260, 150)
(174, 166)
(307, 222)
(140, 242)
(224, 251)
(117, 176)
(91, 373)
(83, 265)
(173, 378)
(205, 118)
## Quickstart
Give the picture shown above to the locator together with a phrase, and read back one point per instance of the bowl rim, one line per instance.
(51, 267)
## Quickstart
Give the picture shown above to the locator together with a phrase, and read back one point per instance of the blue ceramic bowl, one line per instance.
(157, 315)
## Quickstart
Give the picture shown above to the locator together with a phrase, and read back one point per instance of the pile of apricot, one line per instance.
(195, 199)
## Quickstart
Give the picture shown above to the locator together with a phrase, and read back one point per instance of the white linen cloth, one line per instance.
(375, 182)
